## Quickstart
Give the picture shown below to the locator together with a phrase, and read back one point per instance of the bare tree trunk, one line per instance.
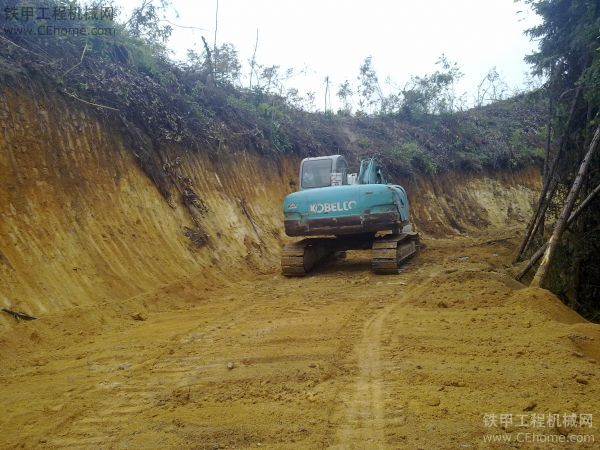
(549, 125)
(543, 201)
(540, 218)
(209, 61)
(540, 251)
(326, 91)
(548, 138)
(253, 62)
(216, 28)
(539, 228)
(540, 209)
(540, 276)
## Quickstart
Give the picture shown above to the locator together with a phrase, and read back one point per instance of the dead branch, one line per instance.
(540, 276)
(89, 103)
(544, 199)
(49, 61)
(250, 219)
(80, 60)
(18, 315)
(540, 251)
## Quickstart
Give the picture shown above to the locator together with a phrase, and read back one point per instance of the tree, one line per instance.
(344, 93)
(433, 93)
(145, 22)
(293, 98)
(369, 89)
(225, 65)
(309, 101)
(569, 56)
(491, 89)
(268, 78)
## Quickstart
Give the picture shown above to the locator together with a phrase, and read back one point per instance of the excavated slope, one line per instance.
(82, 224)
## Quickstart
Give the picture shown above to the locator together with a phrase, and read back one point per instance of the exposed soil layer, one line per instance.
(82, 224)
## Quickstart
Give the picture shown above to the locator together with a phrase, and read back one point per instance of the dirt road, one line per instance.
(341, 359)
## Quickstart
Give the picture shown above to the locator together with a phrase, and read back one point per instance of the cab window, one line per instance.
(316, 173)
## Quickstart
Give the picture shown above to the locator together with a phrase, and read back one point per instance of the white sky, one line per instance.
(332, 37)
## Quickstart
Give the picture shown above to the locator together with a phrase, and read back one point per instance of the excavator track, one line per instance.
(300, 257)
(390, 251)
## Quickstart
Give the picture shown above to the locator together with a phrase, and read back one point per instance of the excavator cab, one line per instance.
(323, 171)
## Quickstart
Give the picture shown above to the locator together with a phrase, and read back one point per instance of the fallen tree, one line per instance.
(540, 251)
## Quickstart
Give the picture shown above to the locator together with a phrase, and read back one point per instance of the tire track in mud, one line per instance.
(364, 416)
(363, 421)
(117, 406)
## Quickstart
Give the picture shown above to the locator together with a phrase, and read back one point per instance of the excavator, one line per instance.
(343, 211)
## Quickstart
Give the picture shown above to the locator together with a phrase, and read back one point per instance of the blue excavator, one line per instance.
(343, 211)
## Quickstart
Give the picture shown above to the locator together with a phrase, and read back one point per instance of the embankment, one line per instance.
(82, 224)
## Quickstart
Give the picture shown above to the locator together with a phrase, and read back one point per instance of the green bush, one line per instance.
(413, 158)
(524, 152)
(471, 161)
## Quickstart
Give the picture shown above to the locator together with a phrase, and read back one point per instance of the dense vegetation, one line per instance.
(201, 105)
(569, 55)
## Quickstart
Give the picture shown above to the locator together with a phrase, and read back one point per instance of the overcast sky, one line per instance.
(332, 37)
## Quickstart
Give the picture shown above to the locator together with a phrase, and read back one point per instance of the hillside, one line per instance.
(140, 223)
(84, 223)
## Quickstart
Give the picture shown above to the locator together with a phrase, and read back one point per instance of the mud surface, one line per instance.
(342, 359)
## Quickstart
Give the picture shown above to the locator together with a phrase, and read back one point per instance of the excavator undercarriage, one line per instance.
(388, 252)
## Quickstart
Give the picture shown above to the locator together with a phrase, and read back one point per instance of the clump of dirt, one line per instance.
(464, 289)
(545, 304)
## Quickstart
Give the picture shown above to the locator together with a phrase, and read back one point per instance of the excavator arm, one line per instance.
(370, 172)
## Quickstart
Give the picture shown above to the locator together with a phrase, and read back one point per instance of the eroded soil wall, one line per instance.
(81, 223)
